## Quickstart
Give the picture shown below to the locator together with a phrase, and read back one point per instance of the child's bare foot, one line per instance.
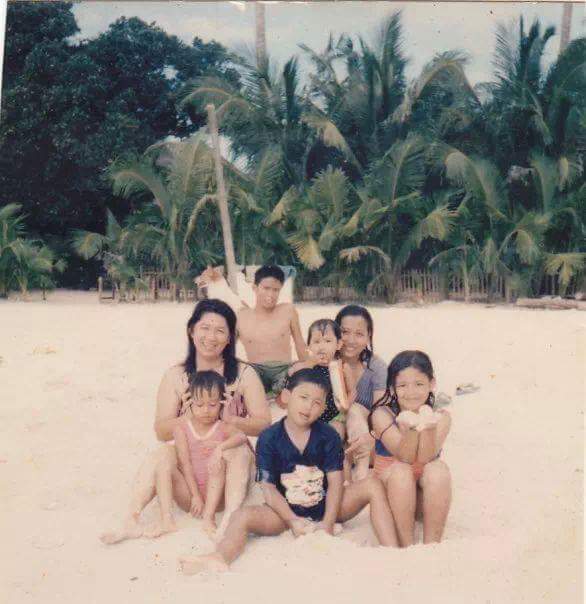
(199, 564)
(131, 530)
(210, 528)
(157, 530)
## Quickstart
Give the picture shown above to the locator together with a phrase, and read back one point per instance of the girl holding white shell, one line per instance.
(409, 437)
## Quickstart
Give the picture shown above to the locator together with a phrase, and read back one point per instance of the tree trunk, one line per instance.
(391, 286)
(444, 284)
(466, 281)
(566, 25)
(508, 291)
(222, 199)
(260, 36)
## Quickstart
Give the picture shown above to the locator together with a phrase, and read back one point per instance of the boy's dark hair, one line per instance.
(206, 381)
(308, 376)
(269, 270)
(321, 325)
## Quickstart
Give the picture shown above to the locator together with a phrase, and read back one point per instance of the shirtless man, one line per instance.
(265, 330)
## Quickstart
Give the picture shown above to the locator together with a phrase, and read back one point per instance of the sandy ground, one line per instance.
(77, 388)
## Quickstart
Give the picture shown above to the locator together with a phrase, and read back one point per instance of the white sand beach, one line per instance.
(77, 390)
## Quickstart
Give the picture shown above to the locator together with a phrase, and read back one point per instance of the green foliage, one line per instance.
(69, 110)
(24, 263)
(175, 231)
(353, 178)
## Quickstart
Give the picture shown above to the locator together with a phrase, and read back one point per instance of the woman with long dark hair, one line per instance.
(211, 345)
(410, 436)
(365, 375)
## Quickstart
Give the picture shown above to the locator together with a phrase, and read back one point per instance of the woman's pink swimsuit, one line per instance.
(201, 449)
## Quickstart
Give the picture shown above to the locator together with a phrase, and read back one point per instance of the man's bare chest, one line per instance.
(253, 330)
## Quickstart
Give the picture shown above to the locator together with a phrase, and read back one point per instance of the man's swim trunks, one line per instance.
(273, 376)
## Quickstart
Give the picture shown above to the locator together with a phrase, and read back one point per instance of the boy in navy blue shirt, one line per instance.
(299, 465)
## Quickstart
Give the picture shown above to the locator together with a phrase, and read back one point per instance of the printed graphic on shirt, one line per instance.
(304, 486)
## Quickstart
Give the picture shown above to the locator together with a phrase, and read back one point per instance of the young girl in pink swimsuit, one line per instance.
(200, 441)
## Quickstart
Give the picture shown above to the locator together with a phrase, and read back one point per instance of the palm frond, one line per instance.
(270, 176)
(331, 136)
(190, 169)
(282, 206)
(9, 210)
(566, 265)
(208, 89)
(197, 208)
(437, 224)
(547, 179)
(352, 255)
(134, 178)
(329, 191)
(400, 172)
(445, 70)
(307, 250)
(113, 228)
(479, 177)
(570, 170)
(87, 244)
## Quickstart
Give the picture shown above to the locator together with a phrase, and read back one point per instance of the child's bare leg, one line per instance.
(341, 430)
(357, 425)
(436, 483)
(370, 491)
(238, 464)
(166, 465)
(143, 491)
(402, 494)
(214, 494)
(347, 471)
(258, 519)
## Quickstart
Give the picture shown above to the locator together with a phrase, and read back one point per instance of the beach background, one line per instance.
(78, 381)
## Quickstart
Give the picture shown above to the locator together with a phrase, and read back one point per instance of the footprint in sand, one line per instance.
(51, 505)
(47, 541)
(57, 384)
(44, 349)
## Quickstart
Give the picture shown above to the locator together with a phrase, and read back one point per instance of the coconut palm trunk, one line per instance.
(260, 36)
(566, 25)
(222, 199)
(466, 281)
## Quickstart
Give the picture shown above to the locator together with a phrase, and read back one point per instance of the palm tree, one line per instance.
(260, 119)
(175, 230)
(221, 198)
(260, 35)
(363, 115)
(314, 217)
(566, 27)
(24, 263)
(120, 265)
(368, 121)
(527, 109)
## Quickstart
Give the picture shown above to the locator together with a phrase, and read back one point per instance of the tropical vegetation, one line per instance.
(353, 172)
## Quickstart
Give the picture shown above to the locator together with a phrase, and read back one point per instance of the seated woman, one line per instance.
(365, 376)
(211, 346)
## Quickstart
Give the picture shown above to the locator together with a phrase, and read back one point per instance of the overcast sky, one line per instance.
(429, 26)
